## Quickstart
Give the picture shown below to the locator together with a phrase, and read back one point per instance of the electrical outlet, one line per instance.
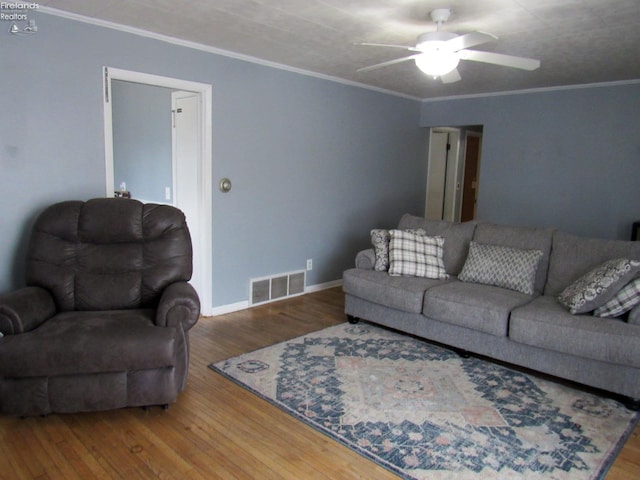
(309, 264)
(167, 193)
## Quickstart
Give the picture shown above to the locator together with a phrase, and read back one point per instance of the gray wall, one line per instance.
(566, 158)
(142, 150)
(315, 164)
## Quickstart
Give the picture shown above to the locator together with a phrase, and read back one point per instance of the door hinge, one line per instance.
(448, 147)
(106, 85)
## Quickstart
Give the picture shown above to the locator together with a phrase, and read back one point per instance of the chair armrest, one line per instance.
(179, 305)
(25, 309)
(366, 259)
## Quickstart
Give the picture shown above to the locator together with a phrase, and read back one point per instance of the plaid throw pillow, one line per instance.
(623, 301)
(416, 255)
(380, 241)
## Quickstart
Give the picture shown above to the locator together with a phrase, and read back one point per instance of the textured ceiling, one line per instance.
(577, 41)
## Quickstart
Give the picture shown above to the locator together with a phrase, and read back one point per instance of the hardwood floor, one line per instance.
(216, 429)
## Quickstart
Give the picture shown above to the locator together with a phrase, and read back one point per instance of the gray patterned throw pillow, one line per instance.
(598, 286)
(500, 266)
(380, 242)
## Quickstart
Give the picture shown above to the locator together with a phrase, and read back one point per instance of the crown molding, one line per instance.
(266, 63)
(534, 90)
(216, 51)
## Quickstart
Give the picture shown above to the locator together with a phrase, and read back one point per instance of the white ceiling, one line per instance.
(577, 41)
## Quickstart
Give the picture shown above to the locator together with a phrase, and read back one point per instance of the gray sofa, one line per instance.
(529, 330)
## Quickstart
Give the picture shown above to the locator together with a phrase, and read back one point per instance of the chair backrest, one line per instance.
(108, 253)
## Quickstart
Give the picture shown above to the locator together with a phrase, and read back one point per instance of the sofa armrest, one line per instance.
(179, 305)
(366, 259)
(25, 309)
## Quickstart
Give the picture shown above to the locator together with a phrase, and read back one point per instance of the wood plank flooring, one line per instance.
(216, 430)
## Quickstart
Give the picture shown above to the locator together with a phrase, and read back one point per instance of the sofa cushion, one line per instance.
(401, 293)
(74, 343)
(505, 267)
(456, 238)
(573, 256)
(524, 238)
(599, 285)
(623, 301)
(416, 255)
(473, 305)
(544, 323)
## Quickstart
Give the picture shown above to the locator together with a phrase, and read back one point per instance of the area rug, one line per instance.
(424, 412)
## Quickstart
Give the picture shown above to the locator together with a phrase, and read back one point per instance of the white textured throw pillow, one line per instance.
(599, 285)
(500, 266)
(416, 255)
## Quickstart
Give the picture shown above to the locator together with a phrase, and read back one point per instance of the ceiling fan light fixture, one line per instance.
(436, 63)
(439, 53)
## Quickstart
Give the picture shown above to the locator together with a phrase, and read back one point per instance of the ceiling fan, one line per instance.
(438, 53)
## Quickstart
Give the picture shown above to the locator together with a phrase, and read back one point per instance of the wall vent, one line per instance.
(277, 287)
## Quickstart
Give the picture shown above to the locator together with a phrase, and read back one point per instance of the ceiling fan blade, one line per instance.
(500, 59)
(451, 77)
(404, 47)
(390, 62)
(469, 40)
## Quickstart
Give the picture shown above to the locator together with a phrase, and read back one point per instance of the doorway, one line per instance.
(471, 177)
(191, 169)
(453, 172)
(444, 144)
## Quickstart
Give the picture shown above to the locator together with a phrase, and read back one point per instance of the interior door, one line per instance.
(186, 168)
(471, 177)
(437, 174)
(442, 201)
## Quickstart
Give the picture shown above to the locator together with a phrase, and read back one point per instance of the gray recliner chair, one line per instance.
(104, 320)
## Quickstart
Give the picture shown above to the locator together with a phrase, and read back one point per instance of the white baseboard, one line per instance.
(229, 308)
(323, 286)
(244, 305)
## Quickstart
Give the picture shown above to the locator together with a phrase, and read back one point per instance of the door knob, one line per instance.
(225, 185)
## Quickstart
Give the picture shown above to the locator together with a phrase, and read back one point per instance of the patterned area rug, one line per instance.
(424, 412)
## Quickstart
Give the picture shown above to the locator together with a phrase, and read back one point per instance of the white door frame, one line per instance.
(204, 186)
